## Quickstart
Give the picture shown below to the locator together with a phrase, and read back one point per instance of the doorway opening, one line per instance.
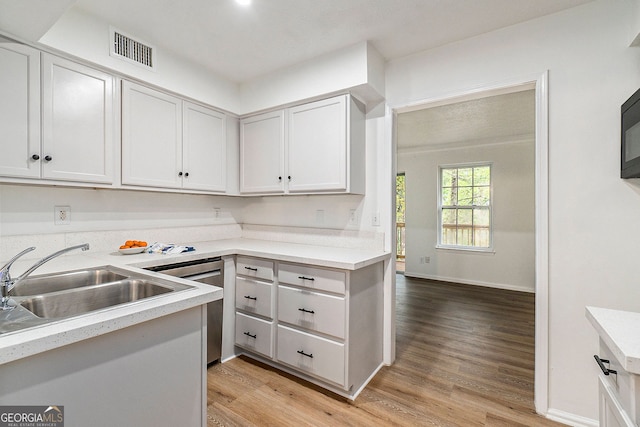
(537, 83)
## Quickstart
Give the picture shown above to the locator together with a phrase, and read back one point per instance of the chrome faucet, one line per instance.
(7, 283)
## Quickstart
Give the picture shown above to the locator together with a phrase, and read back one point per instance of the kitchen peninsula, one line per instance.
(151, 355)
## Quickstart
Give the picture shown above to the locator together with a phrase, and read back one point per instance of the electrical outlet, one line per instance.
(427, 260)
(375, 219)
(353, 217)
(216, 212)
(320, 216)
(62, 215)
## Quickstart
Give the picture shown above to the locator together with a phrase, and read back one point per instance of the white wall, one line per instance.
(87, 37)
(358, 68)
(511, 265)
(593, 217)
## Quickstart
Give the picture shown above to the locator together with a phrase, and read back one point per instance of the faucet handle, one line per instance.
(4, 271)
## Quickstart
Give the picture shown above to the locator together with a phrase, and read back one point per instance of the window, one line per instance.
(465, 207)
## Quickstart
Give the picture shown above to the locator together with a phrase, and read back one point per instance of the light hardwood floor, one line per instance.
(465, 357)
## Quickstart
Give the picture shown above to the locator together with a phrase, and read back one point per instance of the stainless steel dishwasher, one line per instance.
(211, 272)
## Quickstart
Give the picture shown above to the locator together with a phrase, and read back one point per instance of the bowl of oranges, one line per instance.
(133, 247)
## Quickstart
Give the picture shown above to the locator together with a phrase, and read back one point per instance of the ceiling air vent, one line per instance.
(125, 47)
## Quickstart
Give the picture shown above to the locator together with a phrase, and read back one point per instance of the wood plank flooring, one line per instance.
(465, 357)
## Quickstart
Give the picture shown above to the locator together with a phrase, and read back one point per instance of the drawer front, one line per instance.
(254, 334)
(311, 310)
(322, 358)
(312, 277)
(256, 268)
(254, 296)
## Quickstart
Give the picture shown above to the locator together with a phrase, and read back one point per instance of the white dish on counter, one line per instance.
(131, 251)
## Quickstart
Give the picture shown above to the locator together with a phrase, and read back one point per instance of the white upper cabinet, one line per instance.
(171, 143)
(74, 141)
(322, 150)
(20, 110)
(77, 122)
(204, 148)
(151, 137)
(262, 153)
(318, 146)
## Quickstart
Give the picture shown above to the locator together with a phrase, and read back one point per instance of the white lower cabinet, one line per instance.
(254, 296)
(254, 334)
(314, 334)
(310, 353)
(312, 310)
(619, 392)
(612, 414)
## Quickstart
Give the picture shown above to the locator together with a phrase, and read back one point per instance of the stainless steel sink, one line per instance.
(86, 299)
(44, 284)
(43, 299)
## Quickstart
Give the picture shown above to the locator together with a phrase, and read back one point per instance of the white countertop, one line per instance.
(322, 256)
(23, 343)
(619, 331)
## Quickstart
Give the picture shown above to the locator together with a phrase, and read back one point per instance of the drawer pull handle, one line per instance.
(252, 336)
(305, 354)
(304, 310)
(250, 297)
(604, 369)
(251, 268)
(306, 278)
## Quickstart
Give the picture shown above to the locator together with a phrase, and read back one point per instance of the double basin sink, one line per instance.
(61, 295)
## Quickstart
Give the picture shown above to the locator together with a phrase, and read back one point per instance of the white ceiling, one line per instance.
(242, 43)
(491, 119)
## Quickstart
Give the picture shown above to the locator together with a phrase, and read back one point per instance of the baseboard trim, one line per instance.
(468, 282)
(571, 419)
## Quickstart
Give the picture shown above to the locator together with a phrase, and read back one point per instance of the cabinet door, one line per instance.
(612, 413)
(204, 149)
(77, 122)
(262, 153)
(20, 110)
(318, 146)
(151, 137)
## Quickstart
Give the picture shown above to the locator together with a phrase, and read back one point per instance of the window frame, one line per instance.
(439, 244)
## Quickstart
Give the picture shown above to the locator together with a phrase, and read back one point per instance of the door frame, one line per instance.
(539, 82)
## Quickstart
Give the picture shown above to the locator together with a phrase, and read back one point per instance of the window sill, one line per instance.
(487, 251)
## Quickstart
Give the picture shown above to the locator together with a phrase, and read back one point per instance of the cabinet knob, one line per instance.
(48, 158)
(179, 173)
(186, 174)
(279, 178)
(35, 157)
(289, 177)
